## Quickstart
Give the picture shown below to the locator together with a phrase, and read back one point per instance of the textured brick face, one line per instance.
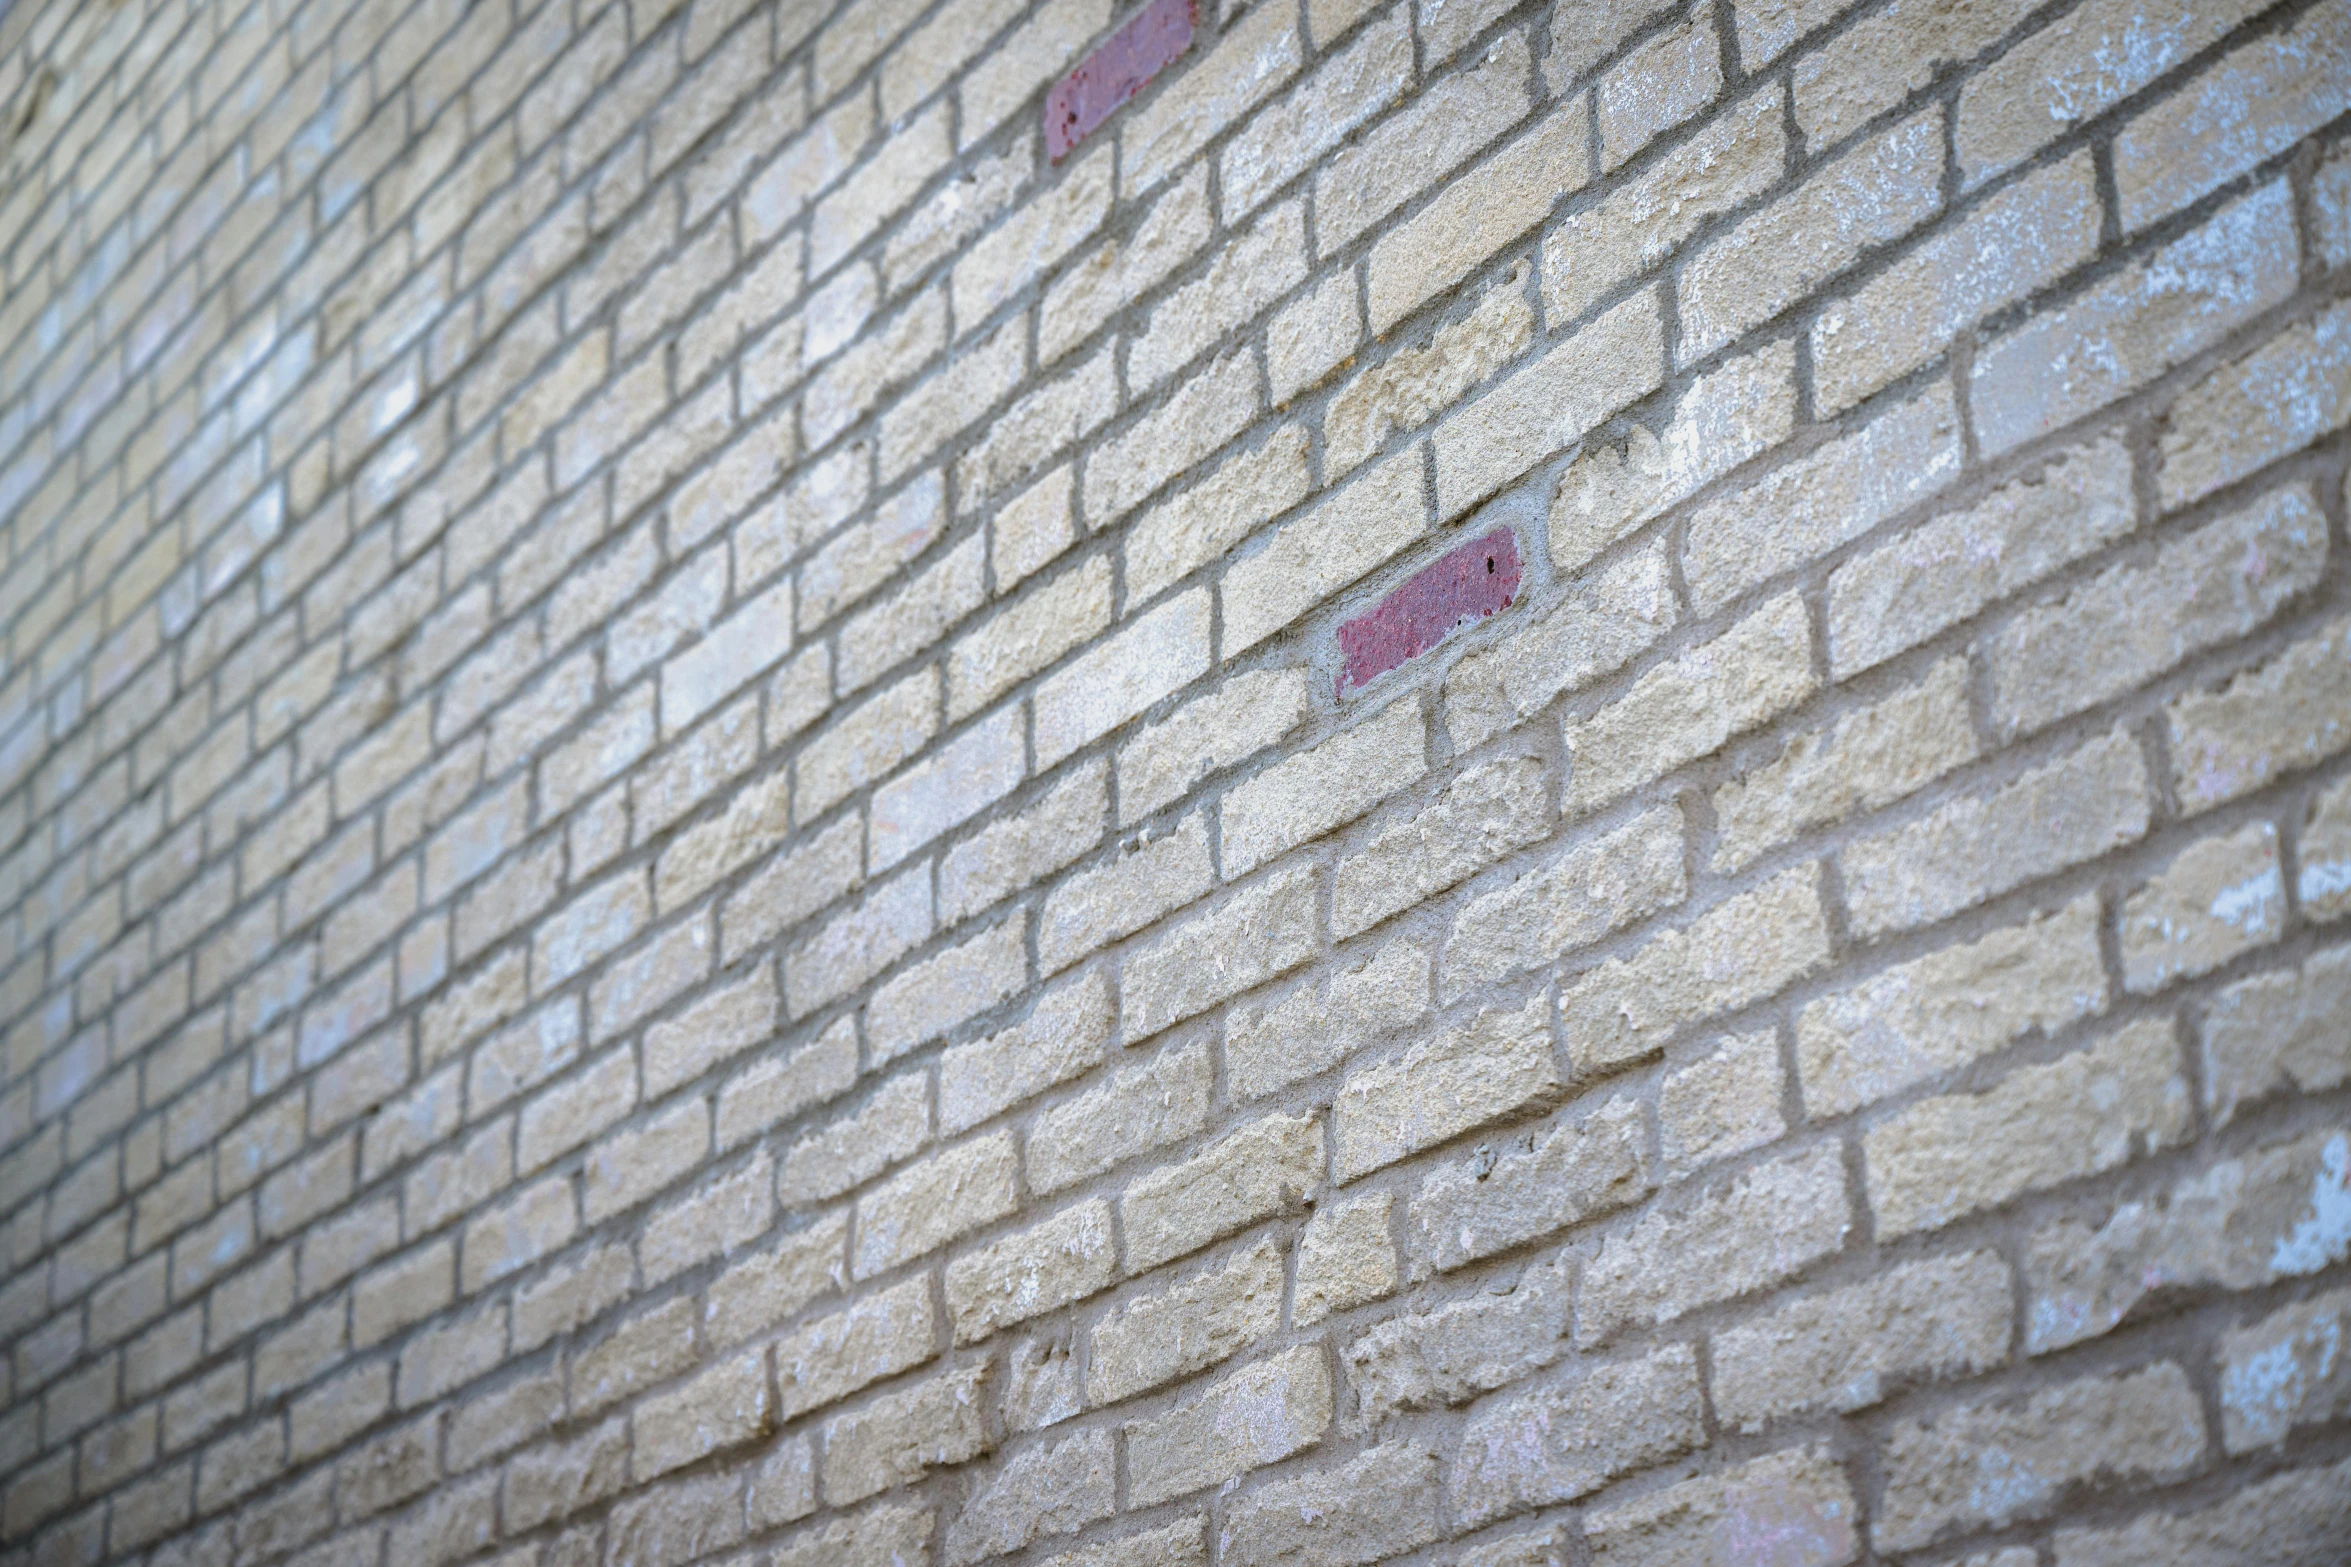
(1239, 783)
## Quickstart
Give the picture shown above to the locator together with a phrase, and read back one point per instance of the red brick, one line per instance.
(1469, 583)
(1121, 68)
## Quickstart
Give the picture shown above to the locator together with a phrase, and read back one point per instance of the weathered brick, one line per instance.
(1118, 678)
(1941, 1011)
(942, 991)
(2075, 808)
(1379, 1505)
(1271, 1044)
(1451, 120)
(1324, 787)
(2132, 622)
(1498, 1065)
(1345, 1258)
(723, 1406)
(1478, 213)
(2241, 1223)
(1048, 1489)
(2122, 332)
(1566, 1440)
(2282, 1373)
(1322, 551)
(1262, 1169)
(1122, 269)
(1257, 1415)
(1451, 1353)
(1350, 87)
(1151, 876)
(2281, 715)
(1595, 886)
(1601, 625)
(2274, 1031)
(1190, 529)
(1191, 1325)
(1261, 931)
(1141, 1107)
(851, 1149)
(2083, 1113)
(1803, 1491)
(934, 1202)
(2294, 1514)
(1042, 1268)
(893, 1440)
(2216, 898)
(777, 1089)
(1585, 1163)
(873, 1337)
(1255, 57)
(2140, 1425)
(1661, 83)
(1723, 1104)
(1063, 1037)
(1198, 417)
(1848, 1348)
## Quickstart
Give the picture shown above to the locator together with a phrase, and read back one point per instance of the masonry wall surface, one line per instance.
(1522, 785)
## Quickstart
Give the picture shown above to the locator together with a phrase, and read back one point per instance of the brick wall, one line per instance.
(1515, 785)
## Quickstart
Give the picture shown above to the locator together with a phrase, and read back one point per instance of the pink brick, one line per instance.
(1112, 74)
(1468, 583)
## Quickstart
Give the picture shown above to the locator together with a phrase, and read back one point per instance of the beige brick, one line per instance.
(1380, 1504)
(1262, 1169)
(1550, 404)
(2134, 325)
(723, 1406)
(1199, 525)
(1122, 269)
(1063, 1258)
(878, 1537)
(1478, 213)
(790, 887)
(1872, 757)
(1450, 1353)
(929, 1204)
(1345, 1258)
(1943, 571)
(2244, 109)
(2215, 899)
(1565, 1440)
(2296, 1513)
(775, 1090)
(1245, 275)
(2283, 1372)
(1201, 415)
(894, 1439)
(722, 1025)
(2083, 1113)
(1481, 816)
(770, 1286)
(1218, 729)
(1316, 554)
(1685, 709)
(1259, 932)
(1414, 385)
(1117, 678)
(2140, 1425)
(1035, 429)
(1030, 55)
(538, 1220)
(1063, 613)
(1272, 1044)
(1877, 192)
(1259, 53)
(874, 1337)
(1496, 1066)
(1114, 899)
(1754, 1230)
(1257, 1415)
(2278, 716)
(861, 558)
(1846, 1349)
(2323, 884)
(1045, 1490)
(1723, 1104)
(2276, 1031)
(1602, 624)
(719, 1216)
(1315, 790)
(1639, 224)
(942, 991)
(1661, 83)
(859, 943)
(851, 1149)
(1803, 1491)
(1890, 55)
(2286, 394)
(1142, 1107)
(1403, 154)
(2022, 239)
(1595, 886)
(1938, 1012)
(2075, 808)
(2074, 70)
(1360, 81)
(2130, 623)
(1063, 1037)
(1031, 530)
(1583, 1164)
(1187, 1327)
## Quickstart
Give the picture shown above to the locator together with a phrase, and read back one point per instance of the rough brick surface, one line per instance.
(919, 783)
